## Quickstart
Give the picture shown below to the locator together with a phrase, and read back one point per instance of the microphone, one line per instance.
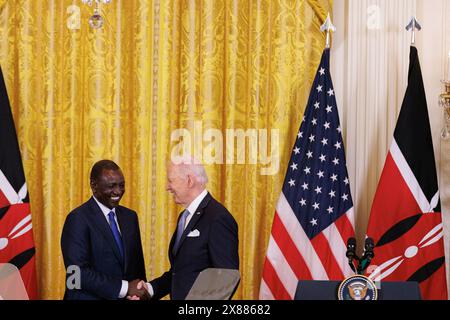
(351, 252)
(368, 246)
(368, 253)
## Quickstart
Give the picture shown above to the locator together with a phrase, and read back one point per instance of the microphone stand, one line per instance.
(367, 256)
(362, 262)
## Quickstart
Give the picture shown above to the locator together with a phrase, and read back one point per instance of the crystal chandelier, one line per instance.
(96, 20)
(444, 102)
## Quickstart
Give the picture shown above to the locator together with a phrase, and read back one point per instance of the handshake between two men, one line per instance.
(137, 290)
(93, 235)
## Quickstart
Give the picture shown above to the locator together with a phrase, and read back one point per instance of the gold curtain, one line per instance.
(156, 76)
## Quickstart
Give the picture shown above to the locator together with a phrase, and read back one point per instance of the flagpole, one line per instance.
(413, 25)
(327, 27)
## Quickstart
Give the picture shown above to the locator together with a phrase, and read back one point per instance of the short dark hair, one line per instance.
(101, 165)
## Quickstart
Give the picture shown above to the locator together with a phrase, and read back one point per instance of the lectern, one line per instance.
(11, 284)
(327, 290)
(214, 284)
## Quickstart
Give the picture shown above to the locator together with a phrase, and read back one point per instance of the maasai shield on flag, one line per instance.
(314, 214)
(405, 220)
(16, 236)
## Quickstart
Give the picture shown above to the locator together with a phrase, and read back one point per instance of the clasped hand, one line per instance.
(137, 290)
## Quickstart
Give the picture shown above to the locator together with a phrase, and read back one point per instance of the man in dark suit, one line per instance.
(206, 234)
(102, 241)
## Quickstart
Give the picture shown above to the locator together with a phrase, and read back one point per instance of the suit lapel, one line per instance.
(102, 225)
(172, 243)
(194, 220)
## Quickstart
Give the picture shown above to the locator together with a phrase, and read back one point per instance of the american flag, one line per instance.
(314, 214)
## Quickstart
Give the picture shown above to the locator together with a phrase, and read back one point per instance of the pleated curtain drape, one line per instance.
(126, 91)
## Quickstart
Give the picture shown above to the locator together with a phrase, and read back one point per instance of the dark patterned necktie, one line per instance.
(115, 231)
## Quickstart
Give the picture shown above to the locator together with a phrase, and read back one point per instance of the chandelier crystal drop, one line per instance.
(96, 20)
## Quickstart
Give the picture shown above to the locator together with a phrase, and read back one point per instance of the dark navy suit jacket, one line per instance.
(87, 242)
(215, 247)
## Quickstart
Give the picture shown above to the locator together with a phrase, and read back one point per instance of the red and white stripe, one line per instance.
(411, 181)
(291, 256)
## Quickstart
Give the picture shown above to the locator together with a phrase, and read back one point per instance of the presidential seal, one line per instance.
(357, 287)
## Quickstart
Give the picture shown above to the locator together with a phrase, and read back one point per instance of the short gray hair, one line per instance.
(190, 165)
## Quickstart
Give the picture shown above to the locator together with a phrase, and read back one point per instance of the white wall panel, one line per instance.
(369, 64)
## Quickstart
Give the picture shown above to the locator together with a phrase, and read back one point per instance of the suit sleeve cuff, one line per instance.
(149, 289)
(124, 289)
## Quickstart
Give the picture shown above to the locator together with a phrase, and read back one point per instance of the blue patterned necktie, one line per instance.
(180, 229)
(115, 231)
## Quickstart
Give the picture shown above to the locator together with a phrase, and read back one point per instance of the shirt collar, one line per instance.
(193, 206)
(104, 208)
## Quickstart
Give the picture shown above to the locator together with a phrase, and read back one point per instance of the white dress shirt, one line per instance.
(192, 208)
(106, 211)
